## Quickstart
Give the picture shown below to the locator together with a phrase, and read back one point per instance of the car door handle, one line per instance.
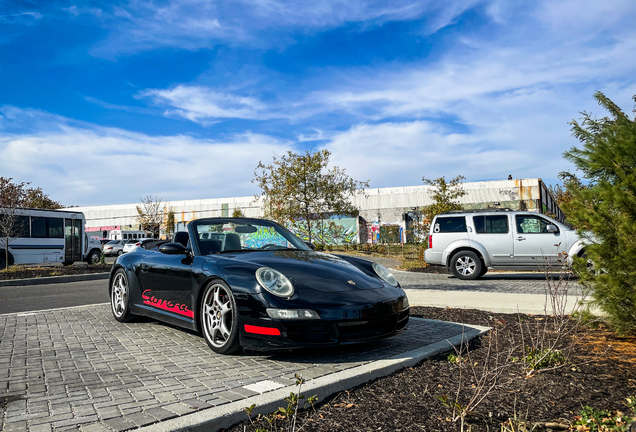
(520, 238)
(145, 267)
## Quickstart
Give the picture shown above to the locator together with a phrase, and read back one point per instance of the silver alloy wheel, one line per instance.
(94, 257)
(119, 295)
(465, 265)
(217, 315)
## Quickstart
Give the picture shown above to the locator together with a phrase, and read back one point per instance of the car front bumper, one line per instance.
(365, 324)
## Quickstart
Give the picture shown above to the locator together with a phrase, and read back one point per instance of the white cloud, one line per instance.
(86, 165)
(199, 104)
(193, 24)
(20, 18)
(400, 154)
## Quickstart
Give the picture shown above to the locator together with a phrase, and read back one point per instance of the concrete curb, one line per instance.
(538, 304)
(54, 279)
(225, 416)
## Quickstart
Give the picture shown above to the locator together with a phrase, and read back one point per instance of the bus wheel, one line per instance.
(93, 257)
(3, 259)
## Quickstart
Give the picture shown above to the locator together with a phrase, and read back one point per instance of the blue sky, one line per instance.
(107, 102)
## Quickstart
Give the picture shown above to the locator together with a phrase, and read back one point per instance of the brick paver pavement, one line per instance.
(78, 368)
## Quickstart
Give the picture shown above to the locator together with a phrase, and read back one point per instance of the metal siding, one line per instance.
(399, 198)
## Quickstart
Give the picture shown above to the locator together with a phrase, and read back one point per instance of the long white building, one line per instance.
(379, 206)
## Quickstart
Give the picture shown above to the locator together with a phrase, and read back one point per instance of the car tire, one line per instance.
(120, 296)
(119, 252)
(219, 318)
(466, 265)
(3, 261)
(93, 257)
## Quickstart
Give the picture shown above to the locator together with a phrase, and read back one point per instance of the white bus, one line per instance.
(50, 236)
(128, 234)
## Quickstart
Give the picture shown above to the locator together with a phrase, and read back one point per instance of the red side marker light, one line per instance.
(430, 241)
(270, 331)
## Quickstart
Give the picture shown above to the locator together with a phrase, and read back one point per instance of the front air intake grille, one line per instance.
(313, 333)
(403, 320)
(366, 329)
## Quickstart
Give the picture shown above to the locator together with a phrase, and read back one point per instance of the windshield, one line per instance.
(218, 235)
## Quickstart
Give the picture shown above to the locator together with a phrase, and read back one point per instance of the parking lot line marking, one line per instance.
(28, 313)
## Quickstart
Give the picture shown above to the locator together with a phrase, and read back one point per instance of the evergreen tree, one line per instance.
(170, 224)
(605, 211)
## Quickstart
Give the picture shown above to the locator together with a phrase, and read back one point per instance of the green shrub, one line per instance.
(544, 358)
(591, 419)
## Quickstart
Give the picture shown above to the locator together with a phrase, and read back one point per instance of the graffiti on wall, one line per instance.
(384, 233)
(333, 231)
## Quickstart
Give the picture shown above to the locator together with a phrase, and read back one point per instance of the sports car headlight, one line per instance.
(385, 274)
(292, 314)
(274, 282)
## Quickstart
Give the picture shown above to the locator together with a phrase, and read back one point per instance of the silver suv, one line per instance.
(471, 242)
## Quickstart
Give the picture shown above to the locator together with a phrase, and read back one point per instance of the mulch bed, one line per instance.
(600, 372)
(430, 269)
(23, 272)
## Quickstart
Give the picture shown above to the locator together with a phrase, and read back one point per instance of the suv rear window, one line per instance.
(491, 224)
(450, 224)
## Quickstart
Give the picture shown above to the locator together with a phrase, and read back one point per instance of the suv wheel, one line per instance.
(466, 265)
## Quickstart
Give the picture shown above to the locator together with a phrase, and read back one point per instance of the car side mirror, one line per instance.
(311, 246)
(552, 229)
(174, 249)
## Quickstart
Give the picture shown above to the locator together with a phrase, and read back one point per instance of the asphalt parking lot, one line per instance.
(77, 368)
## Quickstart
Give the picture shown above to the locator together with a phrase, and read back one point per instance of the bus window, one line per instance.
(21, 227)
(56, 227)
(38, 227)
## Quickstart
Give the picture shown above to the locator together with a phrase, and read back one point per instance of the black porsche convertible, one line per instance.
(251, 283)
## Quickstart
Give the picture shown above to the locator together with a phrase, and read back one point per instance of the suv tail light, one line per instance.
(138, 244)
(430, 241)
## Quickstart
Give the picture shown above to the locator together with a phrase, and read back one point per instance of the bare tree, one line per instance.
(12, 198)
(150, 214)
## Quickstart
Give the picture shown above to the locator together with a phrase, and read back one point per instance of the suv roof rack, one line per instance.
(478, 211)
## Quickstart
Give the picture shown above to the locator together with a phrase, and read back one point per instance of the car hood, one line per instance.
(313, 270)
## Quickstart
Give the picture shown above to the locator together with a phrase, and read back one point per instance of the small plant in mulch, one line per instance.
(538, 359)
(283, 419)
(593, 420)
